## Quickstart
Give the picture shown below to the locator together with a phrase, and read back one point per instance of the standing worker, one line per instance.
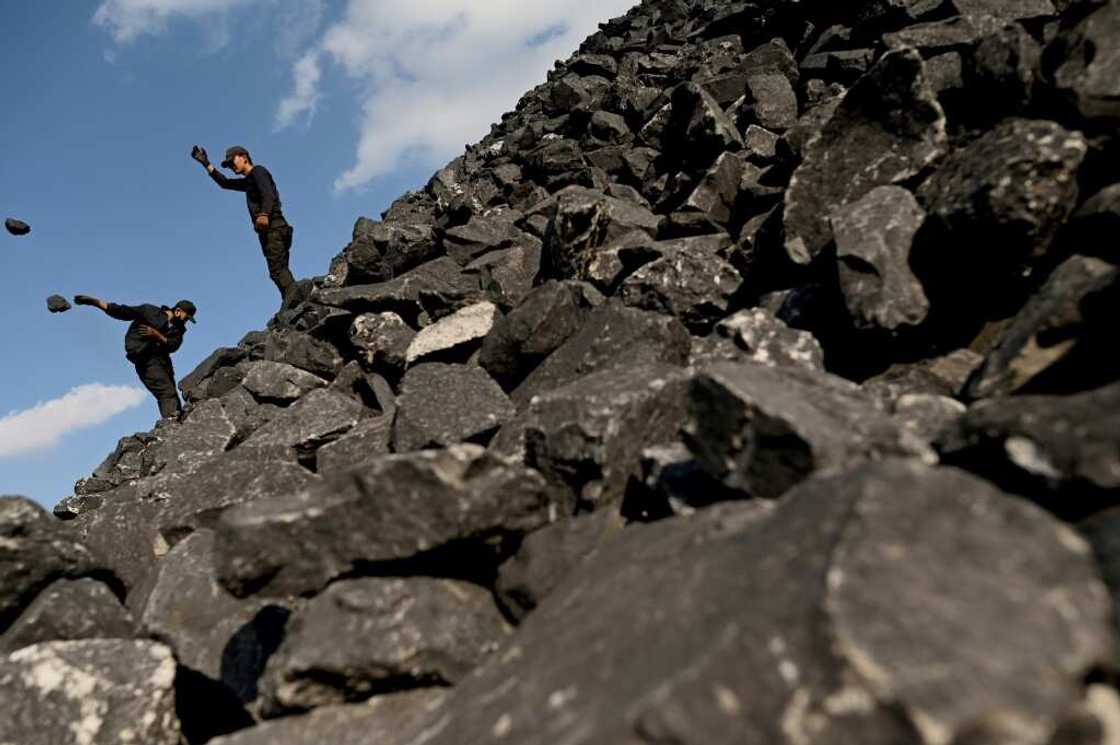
(155, 333)
(263, 200)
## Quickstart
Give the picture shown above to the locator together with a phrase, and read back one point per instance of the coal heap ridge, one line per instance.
(751, 381)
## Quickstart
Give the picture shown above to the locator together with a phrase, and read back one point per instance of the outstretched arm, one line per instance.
(113, 310)
(239, 184)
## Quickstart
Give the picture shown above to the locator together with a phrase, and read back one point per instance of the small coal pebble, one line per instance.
(58, 304)
(17, 227)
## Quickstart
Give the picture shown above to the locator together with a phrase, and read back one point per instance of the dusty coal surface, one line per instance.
(752, 381)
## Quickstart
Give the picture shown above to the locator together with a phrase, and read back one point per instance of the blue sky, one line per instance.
(348, 102)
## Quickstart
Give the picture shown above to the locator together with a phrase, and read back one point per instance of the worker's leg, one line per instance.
(276, 244)
(158, 376)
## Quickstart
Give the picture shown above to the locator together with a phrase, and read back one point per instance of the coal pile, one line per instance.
(751, 381)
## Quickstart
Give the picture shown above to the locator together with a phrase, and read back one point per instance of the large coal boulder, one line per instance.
(549, 555)
(139, 523)
(348, 724)
(886, 129)
(441, 405)
(389, 509)
(891, 588)
(401, 633)
(456, 335)
(611, 334)
(92, 692)
(368, 438)
(547, 317)
(999, 201)
(382, 340)
(1083, 66)
(197, 384)
(756, 334)
(381, 251)
(437, 287)
(581, 222)
(67, 610)
(295, 434)
(303, 351)
(1063, 451)
(589, 434)
(211, 632)
(35, 550)
(874, 236)
(277, 382)
(762, 429)
(696, 287)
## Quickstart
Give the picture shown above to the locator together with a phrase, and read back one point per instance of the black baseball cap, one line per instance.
(188, 306)
(232, 151)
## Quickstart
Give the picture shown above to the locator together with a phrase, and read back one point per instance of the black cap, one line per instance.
(187, 306)
(232, 151)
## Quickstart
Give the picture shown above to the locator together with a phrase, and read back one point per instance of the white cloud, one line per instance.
(435, 74)
(43, 425)
(126, 20)
(305, 96)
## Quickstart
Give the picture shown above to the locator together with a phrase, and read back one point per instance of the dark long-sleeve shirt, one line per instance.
(136, 345)
(261, 195)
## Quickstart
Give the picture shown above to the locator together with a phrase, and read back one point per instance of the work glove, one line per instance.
(199, 154)
(85, 300)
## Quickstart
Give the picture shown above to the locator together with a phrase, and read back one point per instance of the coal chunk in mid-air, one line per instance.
(58, 304)
(17, 227)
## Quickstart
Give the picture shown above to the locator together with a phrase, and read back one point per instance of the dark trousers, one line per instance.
(276, 244)
(158, 376)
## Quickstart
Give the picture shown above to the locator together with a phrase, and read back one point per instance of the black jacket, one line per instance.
(261, 196)
(136, 346)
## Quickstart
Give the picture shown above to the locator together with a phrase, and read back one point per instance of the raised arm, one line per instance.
(113, 310)
(233, 184)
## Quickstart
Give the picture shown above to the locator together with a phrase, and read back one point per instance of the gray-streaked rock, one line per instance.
(766, 340)
(694, 286)
(763, 429)
(589, 434)
(381, 251)
(462, 328)
(206, 431)
(893, 585)
(35, 550)
(367, 439)
(698, 129)
(92, 692)
(874, 235)
(435, 286)
(401, 633)
(67, 610)
(886, 129)
(297, 432)
(213, 633)
(392, 508)
(303, 351)
(382, 339)
(1005, 194)
(581, 222)
(194, 384)
(441, 405)
(276, 381)
(611, 334)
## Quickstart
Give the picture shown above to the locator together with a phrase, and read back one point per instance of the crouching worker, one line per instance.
(155, 333)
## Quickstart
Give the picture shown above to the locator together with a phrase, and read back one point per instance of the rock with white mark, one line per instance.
(67, 610)
(452, 334)
(389, 509)
(278, 382)
(442, 404)
(765, 339)
(763, 429)
(886, 129)
(402, 633)
(874, 236)
(92, 692)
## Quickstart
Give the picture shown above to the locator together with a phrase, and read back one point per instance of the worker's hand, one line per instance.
(261, 223)
(150, 332)
(86, 300)
(199, 154)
